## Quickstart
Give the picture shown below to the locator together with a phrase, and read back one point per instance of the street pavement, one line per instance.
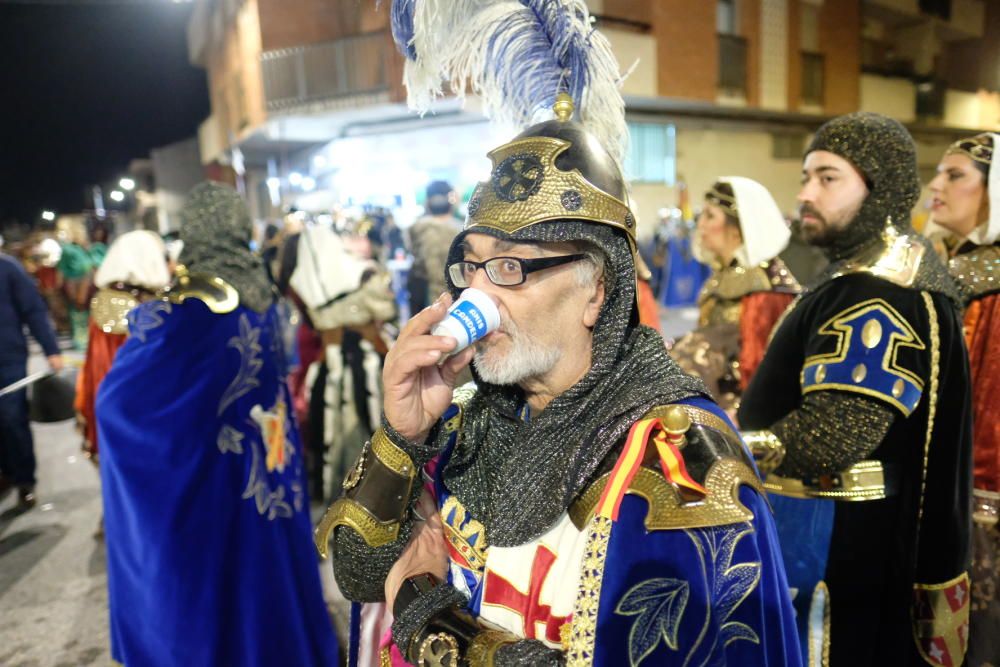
(53, 586)
(53, 580)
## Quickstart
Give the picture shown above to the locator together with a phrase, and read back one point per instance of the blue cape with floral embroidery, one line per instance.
(210, 556)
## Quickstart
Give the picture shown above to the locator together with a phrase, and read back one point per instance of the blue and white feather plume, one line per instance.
(516, 55)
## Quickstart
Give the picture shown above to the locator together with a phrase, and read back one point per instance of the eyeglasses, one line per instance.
(505, 271)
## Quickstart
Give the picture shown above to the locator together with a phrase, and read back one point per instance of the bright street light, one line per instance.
(308, 183)
(295, 178)
(127, 184)
(48, 215)
(117, 195)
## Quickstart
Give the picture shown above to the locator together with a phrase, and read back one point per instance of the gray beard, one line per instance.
(526, 359)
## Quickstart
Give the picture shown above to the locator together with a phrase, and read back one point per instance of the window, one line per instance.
(812, 78)
(732, 64)
(652, 153)
(725, 17)
(787, 146)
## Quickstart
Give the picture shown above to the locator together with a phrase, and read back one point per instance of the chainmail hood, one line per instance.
(546, 461)
(216, 231)
(884, 152)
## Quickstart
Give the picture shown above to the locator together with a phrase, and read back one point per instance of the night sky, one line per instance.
(86, 86)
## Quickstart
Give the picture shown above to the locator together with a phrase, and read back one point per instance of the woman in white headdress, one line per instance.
(962, 192)
(740, 233)
(134, 269)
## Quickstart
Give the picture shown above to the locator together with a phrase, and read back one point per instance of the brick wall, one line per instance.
(840, 42)
(287, 23)
(687, 48)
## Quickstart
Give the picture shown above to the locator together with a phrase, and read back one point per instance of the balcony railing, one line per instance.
(344, 68)
(732, 64)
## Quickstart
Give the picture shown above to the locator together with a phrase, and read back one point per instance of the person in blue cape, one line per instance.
(210, 560)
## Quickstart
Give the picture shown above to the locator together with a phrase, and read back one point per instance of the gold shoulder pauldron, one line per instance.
(714, 457)
(214, 292)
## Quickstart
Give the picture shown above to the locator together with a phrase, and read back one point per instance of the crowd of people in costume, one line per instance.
(794, 430)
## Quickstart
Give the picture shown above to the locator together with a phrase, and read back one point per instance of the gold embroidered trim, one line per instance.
(845, 325)
(667, 511)
(865, 480)
(350, 513)
(932, 405)
(385, 657)
(214, 292)
(583, 631)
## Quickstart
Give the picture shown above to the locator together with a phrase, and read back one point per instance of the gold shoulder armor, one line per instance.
(109, 309)
(977, 272)
(714, 456)
(214, 292)
(897, 260)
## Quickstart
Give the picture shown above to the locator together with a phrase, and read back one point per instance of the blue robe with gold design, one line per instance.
(640, 589)
(210, 560)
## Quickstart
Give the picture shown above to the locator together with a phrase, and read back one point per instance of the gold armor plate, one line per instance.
(109, 309)
(214, 292)
(978, 272)
(865, 480)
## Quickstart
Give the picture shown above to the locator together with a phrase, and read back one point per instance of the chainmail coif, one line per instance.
(518, 477)
(884, 152)
(216, 230)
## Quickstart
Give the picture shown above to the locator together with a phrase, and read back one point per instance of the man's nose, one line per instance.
(806, 193)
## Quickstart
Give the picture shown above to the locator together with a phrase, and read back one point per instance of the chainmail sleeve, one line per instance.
(361, 569)
(529, 652)
(830, 431)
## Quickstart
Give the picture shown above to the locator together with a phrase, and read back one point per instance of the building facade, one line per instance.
(308, 105)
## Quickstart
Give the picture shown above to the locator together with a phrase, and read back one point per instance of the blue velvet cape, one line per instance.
(210, 556)
(701, 597)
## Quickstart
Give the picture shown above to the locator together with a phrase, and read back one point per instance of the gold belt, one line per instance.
(865, 480)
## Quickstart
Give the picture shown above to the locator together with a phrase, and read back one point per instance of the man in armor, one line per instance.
(861, 410)
(586, 503)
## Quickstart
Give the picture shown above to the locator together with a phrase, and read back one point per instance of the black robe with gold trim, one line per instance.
(879, 548)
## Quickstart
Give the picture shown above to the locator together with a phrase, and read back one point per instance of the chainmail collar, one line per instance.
(216, 231)
(517, 477)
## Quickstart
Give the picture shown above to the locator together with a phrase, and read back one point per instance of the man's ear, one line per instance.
(593, 308)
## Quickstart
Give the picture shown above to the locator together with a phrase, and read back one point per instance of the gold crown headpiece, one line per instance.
(979, 148)
(726, 202)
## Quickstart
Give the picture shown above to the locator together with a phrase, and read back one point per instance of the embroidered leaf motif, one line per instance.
(732, 631)
(147, 317)
(248, 345)
(230, 440)
(734, 585)
(729, 585)
(659, 604)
